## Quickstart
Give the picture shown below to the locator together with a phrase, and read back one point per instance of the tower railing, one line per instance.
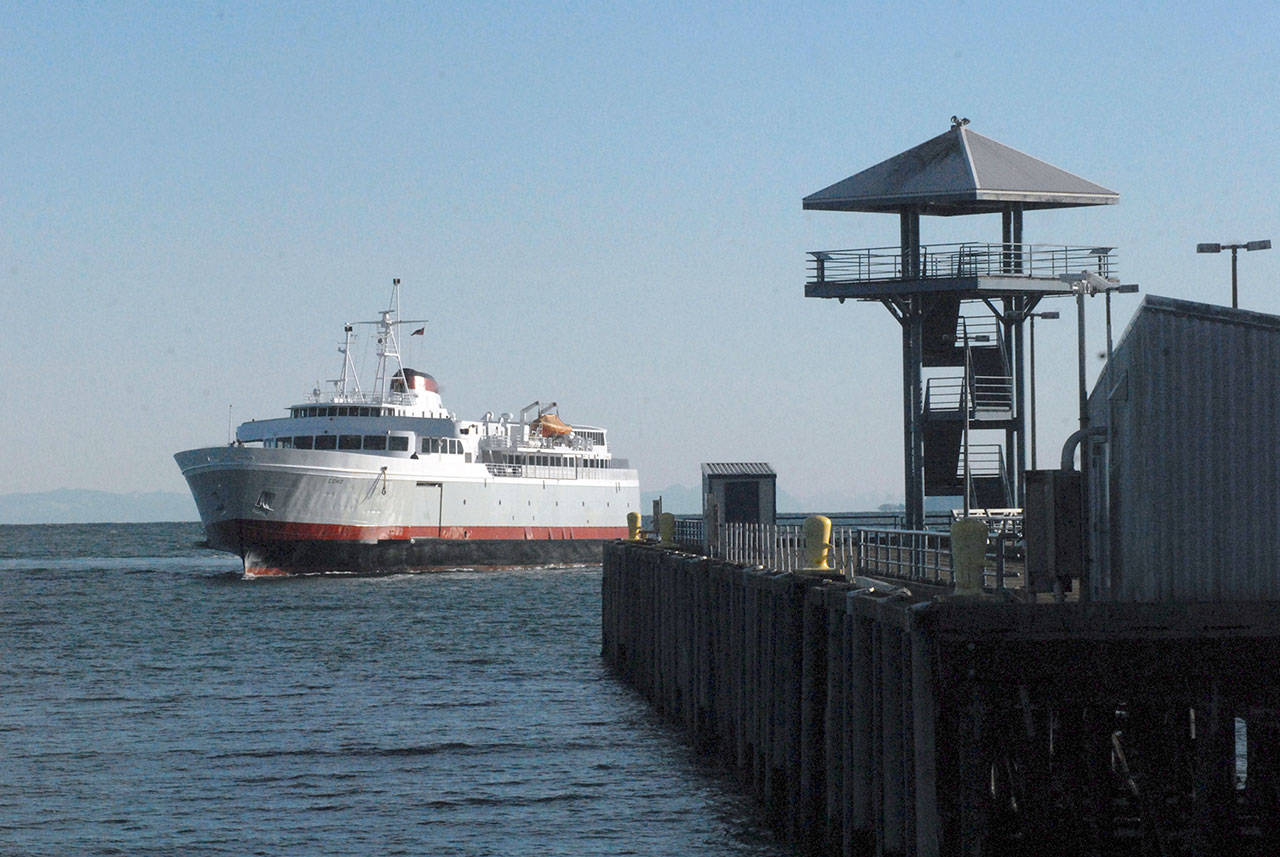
(985, 460)
(968, 259)
(987, 393)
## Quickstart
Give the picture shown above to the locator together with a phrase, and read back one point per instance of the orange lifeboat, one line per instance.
(550, 425)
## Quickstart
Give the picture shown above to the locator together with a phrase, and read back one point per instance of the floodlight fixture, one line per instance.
(1090, 283)
(1247, 246)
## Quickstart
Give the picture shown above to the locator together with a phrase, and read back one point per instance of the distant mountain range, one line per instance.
(70, 506)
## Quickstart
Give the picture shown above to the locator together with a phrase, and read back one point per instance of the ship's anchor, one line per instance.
(384, 481)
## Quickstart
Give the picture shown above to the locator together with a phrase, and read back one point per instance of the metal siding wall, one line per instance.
(1195, 457)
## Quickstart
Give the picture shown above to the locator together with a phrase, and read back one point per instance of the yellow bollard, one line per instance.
(817, 543)
(666, 530)
(968, 555)
(633, 526)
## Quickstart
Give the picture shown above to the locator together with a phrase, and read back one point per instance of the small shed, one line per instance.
(1184, 473)
(738, 493)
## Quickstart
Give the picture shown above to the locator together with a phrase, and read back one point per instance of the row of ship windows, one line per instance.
(429, 445)
(377, 442)
(372, 442)
(551, 460)
(380, 442)
(341, 411)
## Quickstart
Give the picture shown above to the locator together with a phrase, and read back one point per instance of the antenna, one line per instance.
(347, 367)
(388, 341)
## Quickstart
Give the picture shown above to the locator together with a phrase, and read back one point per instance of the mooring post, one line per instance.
(968, 555)
(817, 545)
(667, 530)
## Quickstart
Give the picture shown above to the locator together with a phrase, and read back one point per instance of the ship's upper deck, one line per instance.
(403, 416)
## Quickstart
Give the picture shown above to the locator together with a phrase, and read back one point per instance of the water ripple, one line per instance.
(158, 703)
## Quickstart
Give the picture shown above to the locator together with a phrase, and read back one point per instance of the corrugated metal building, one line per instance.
(1184, 483)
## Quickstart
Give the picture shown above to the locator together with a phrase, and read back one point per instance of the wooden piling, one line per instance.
(875, 725)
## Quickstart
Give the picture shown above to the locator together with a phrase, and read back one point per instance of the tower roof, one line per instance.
(960, 172)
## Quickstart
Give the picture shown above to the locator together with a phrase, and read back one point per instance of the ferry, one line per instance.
(387, 479)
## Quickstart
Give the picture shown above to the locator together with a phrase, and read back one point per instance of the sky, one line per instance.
(597, 204)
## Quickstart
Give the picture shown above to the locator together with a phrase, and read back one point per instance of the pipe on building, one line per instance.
(1073, 441)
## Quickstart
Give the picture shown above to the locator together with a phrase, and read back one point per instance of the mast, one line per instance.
(389, 340)
(348, 368)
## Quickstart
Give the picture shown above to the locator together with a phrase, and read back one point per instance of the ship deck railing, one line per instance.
(504, 443)
(362, 399)
(965, 259)
(540, 471)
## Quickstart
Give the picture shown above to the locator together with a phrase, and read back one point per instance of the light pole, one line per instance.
(1234, 248)
(964, 403)
(1086, 283)
(1033, 316)
(1090, 283)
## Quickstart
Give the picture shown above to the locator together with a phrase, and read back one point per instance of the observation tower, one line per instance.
(961, 306)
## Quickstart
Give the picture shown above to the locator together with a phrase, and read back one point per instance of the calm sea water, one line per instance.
(156, 703)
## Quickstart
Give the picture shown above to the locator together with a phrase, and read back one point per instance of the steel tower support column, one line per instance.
(912, 319)
(1006, 323)
(909, 229)
(1011, 235)
(1015, 309)
(910, 312)
(1022, 307)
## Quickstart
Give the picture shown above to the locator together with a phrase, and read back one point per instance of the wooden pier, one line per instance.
(873, 722)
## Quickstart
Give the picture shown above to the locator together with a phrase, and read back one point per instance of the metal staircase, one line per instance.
(981, 396)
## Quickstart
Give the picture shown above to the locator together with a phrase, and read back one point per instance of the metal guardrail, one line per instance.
(977, 331)
(924, 556)
(1006, 521)
(879, 264)
(690, 532)
(986, 393)
(779, 547)
(985, 459)
(921, 556)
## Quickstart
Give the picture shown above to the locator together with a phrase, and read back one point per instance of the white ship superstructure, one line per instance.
(388, 479)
